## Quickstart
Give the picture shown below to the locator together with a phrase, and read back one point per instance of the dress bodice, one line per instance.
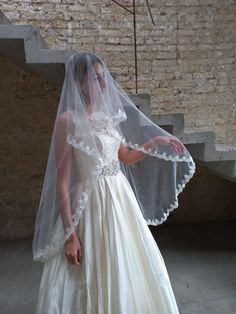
(90, 166)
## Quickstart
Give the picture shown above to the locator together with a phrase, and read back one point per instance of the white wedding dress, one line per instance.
(122, 270)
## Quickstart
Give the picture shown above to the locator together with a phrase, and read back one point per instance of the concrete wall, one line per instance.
(186, 62)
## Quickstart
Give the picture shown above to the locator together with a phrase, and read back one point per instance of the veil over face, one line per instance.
(91, 100)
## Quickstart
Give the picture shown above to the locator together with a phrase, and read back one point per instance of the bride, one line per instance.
(110, 173)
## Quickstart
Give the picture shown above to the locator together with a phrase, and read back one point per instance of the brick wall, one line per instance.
(28, 110)
(186, 62)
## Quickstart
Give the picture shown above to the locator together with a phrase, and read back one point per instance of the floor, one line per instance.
(200, 258)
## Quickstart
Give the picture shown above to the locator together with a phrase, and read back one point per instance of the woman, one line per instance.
(110, 172)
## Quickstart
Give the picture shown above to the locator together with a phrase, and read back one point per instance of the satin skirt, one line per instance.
(122, 270)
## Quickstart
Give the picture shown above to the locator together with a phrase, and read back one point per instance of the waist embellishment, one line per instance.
(108, 168)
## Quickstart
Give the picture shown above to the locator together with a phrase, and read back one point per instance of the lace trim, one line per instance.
(100, 117)
(51, 250)
(100, 122)
(79, 209)
(154, 153)
(106, 125)
(119, 117)
(155, 222)
(72, 140)
(113, 132)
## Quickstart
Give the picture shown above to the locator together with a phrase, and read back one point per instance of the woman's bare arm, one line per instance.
(130, 157)
(63, 159)
(72, 247)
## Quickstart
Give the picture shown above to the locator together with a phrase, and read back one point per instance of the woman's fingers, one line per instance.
(182, 148)
(72, 259)
(75, 260)
(79, 254)
(174, 145)
(72, 249)
(178, 146)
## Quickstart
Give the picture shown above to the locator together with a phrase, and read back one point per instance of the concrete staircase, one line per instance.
(24, 44)
(219, 158)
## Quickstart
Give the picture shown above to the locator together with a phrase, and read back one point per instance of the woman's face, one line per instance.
(94, 83)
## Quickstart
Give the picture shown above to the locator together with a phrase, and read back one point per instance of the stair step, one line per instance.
(226, 152)
(197, 130)
(225, 148)
(198, 135)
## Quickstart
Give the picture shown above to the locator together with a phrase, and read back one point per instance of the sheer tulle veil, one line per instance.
(91, 100)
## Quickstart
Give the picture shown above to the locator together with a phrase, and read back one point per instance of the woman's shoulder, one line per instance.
(66, 116)
(65, 120)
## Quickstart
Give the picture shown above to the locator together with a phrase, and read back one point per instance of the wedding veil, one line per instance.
(92, 100)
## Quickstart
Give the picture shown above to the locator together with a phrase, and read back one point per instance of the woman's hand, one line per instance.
(72, 249)
(172, 142)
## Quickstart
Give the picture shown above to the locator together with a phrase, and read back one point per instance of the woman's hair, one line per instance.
(82, 66)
